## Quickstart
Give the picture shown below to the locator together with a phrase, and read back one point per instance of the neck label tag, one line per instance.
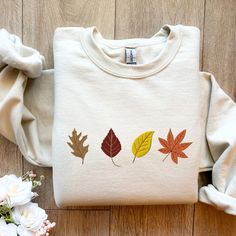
(130, 55)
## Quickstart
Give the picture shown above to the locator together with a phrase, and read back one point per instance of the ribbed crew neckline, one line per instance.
(91, 38)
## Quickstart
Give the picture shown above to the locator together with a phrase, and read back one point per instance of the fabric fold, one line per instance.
(20, 121)
(19, 56)
(210, 195)
(221, 139)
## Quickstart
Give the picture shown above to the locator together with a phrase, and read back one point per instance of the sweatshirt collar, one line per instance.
(91, 38)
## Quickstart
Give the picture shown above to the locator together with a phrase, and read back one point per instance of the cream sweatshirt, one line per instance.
(134, 120)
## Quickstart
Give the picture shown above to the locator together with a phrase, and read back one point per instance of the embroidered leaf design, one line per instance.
(174, 146)
(142, 144)
(77, 141)
(111, 145)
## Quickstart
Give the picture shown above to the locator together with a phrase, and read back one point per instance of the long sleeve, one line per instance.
(221, 139)
(25, 99)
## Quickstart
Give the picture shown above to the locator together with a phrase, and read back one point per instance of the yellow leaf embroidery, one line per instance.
(142, 144)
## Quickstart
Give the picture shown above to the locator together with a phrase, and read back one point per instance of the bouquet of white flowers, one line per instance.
(18, 215)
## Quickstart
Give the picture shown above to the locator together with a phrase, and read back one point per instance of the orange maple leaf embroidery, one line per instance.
(174, 146)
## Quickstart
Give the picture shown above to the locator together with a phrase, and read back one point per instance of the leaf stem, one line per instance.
(114, 162)
(82, 161)
(134, 159)
(166, 156)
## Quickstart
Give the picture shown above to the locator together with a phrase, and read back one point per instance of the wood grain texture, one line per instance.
(211, 222)
(10, 19)
(80, 223)
(152, 220)
(219, 55)
(11, 16)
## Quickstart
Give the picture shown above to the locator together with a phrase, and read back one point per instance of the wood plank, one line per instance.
(10, 19)
(143, 19)
(152, 220)
(10, 158)
(40, 19)
(212, 222)
(80, 223)
(219, 56)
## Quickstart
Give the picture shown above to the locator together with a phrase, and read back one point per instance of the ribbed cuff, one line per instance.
(210, 195)
(19, 56)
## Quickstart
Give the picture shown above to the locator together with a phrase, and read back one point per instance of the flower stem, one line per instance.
(7, 216)
(10, 219)
(114, 162)
(166, 156)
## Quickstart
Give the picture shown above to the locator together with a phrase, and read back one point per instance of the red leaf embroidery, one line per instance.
(111, 145)
(174, 146)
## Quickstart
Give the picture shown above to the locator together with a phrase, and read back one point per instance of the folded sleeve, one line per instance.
(221, 139)
(25, 99)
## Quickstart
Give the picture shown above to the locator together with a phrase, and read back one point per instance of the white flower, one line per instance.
(29, 216)
(3, 190)
(7, 229)
(23, 232)
(15, 191)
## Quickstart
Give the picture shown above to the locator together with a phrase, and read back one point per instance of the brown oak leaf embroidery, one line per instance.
(77, 145)
(174, 146)
(111, 145)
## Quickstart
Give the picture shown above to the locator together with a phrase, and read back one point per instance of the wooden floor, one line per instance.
(36, 20)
